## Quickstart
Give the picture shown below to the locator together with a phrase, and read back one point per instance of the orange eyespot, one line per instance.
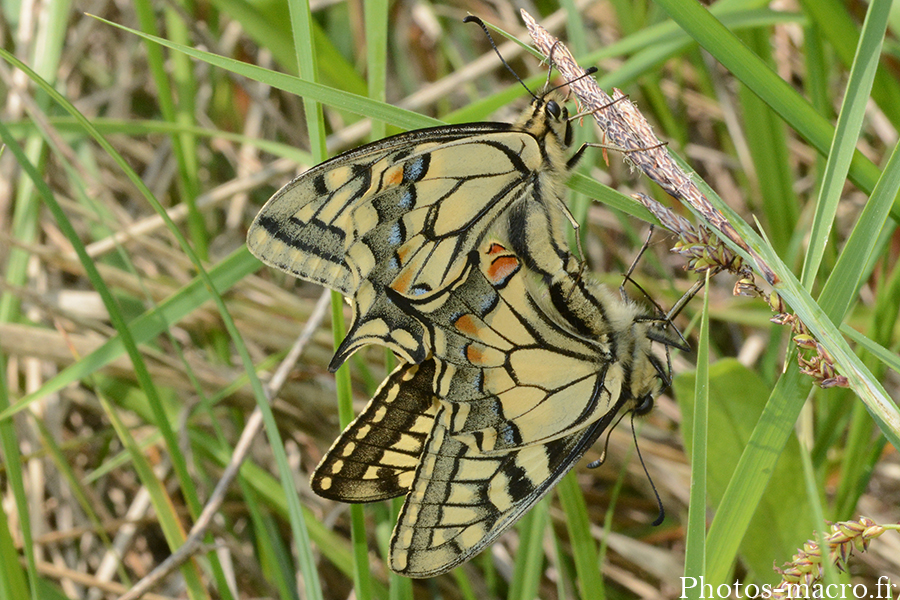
(466, 324)
(474, 355)
(502, 268)
(402, 282)
(395, 177)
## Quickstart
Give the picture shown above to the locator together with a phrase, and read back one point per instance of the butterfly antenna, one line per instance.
(602, 459)
(474, 19)
(662, 510)
(680, 343)
(666, 318)
(587, 73)
(669, 317)
(669, 320)
(590, 71)
(682, 302)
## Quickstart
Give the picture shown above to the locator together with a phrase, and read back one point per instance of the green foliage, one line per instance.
(149, 137)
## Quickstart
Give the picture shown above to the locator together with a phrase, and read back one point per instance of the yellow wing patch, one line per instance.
(445, 521)
(557, 378)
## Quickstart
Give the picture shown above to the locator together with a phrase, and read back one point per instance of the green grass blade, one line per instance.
(14, 583)
(869, 389)
(584, 547)
(837, 26)
(854, 264)
(268, 418)
(889, 358)
(530, 557)
(752, 474)
(846, 134)
(144, 328)
(354, 103)
(695, 540)
(271, 492)
(767, 143)
(168, 520)
(376, 16)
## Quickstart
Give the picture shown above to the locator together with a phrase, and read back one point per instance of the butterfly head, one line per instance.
(557, 115)
(548, 121)
(649, 374)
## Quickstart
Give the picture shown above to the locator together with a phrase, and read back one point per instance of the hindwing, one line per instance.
(376, 456)
(462, 499)
(403, 214)
(524, 377)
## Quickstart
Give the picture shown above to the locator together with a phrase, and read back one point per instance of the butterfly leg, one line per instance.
(627, 277)
(578, 154)
(582, 258)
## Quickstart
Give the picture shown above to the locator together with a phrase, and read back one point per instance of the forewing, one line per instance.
(376, 456)
(462, 499)
(400, 214)
(510, 375)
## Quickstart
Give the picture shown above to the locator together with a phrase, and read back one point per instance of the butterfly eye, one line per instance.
(553, 109)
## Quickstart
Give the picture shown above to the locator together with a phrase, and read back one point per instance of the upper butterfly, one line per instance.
(404, 213)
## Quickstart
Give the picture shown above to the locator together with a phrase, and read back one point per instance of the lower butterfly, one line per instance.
(523, 379)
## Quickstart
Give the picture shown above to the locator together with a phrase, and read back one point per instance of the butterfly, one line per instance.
(403, 213)
(523, 378)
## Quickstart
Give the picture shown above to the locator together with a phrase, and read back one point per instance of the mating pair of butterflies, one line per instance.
(449, 243)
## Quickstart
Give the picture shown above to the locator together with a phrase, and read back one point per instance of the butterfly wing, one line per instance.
(376, 456)
(513, 371)
(402, 214)
(462, 499)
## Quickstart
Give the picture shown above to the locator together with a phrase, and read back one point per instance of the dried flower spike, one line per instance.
(703, 250)
(805, 569)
